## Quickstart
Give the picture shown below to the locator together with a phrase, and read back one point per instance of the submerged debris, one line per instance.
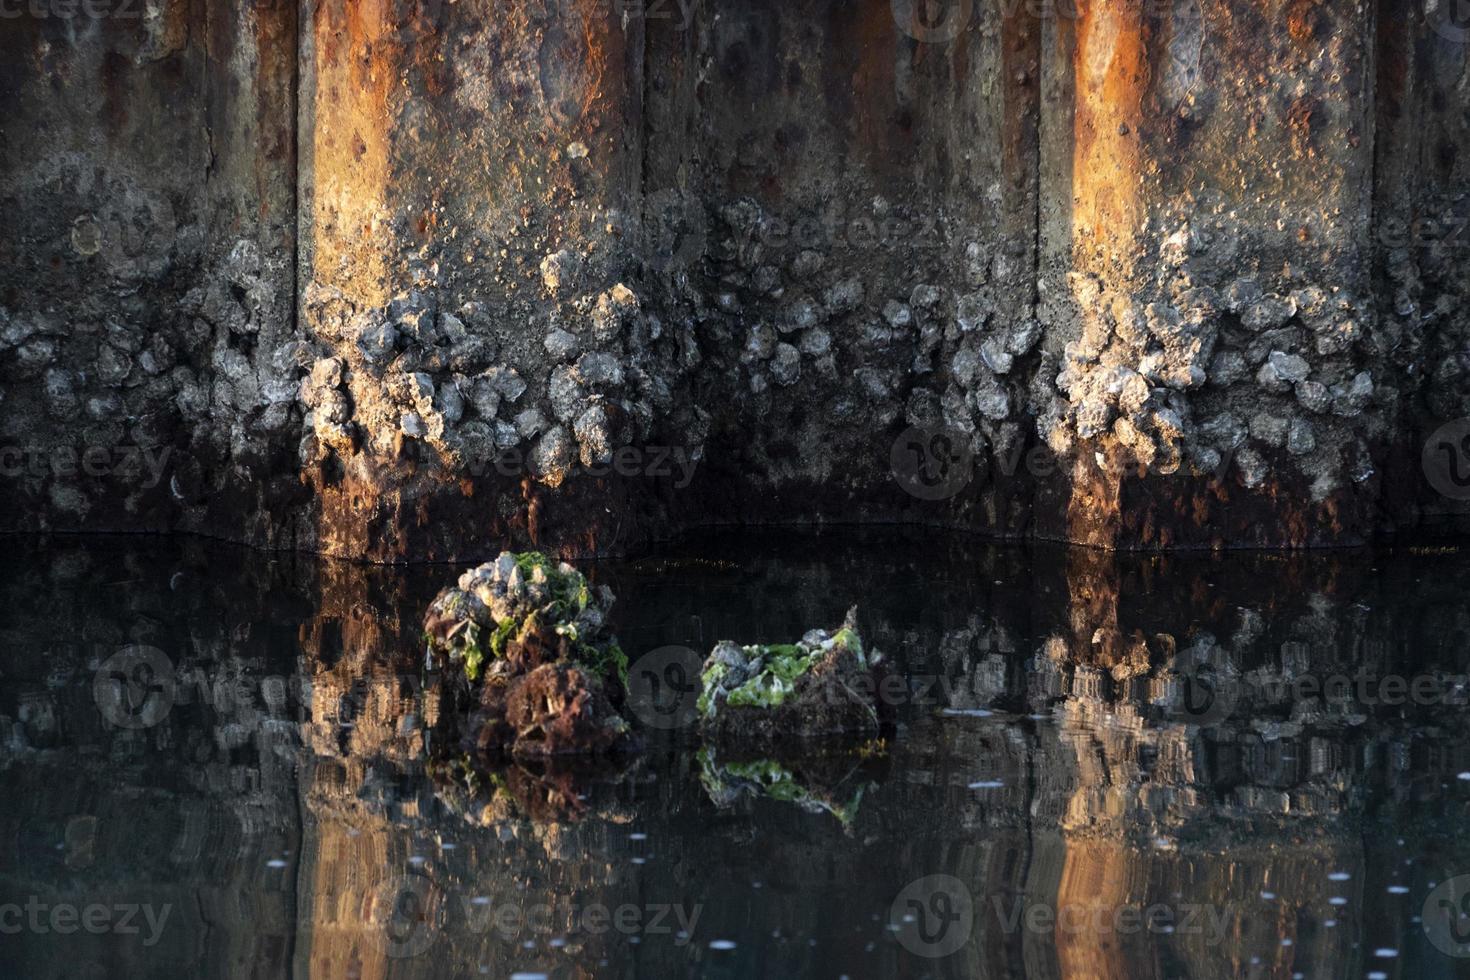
(823, 685)
(528, 640)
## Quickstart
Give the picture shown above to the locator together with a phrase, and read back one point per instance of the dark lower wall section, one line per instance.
(146, 268)
(405, 280)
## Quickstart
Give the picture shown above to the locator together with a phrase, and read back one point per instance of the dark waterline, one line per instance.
(1123, 765)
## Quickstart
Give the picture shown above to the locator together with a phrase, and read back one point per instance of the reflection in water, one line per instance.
(219, 763)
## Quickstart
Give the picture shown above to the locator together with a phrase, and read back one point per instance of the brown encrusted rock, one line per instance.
(536, 644)
(493, 638)
(560, 709)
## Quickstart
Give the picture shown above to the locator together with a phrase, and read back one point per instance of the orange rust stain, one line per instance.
(358, 61)
(1301, 21)
(598, 41)
(1111, 76)
(1111, 72)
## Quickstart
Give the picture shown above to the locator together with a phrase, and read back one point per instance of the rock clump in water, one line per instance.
(824, 685)
(525, 642)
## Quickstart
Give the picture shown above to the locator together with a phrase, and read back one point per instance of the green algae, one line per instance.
(549, 596)
(778, 667)
(769, 778)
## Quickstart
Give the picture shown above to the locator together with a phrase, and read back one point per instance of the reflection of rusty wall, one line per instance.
(409, 280)
(276, 822)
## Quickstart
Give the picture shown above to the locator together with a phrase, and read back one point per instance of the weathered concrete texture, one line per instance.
(146, 269)
(577, 276)
(1206, 284)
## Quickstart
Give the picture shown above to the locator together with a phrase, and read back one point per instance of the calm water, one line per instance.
(215, 763)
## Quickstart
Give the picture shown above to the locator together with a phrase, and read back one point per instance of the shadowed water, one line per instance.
(217, 763)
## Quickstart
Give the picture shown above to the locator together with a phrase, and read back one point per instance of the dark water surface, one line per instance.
(213, 763)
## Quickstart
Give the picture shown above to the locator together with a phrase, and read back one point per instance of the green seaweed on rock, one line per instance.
(517, 596)
(765, 675)
(725, 782)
